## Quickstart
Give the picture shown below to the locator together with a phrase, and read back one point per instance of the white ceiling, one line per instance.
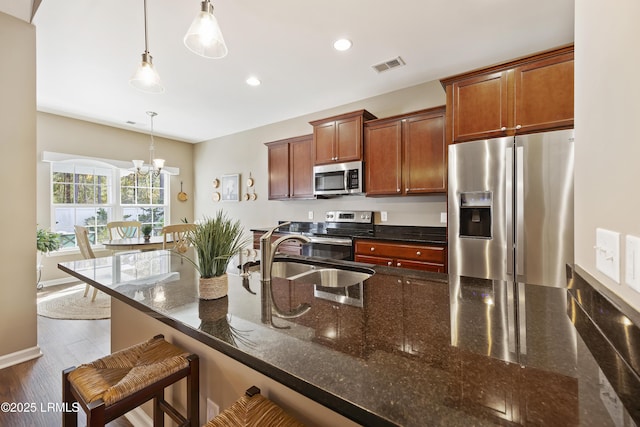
(88, 50)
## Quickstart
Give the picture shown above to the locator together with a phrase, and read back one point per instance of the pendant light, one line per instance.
(155, 165)
(204, 36)
(146, 78)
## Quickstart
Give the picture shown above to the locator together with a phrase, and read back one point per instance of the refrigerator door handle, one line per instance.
(508, 209)
(519, 214)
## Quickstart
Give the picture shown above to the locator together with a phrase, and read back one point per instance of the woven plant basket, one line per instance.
(213, 287)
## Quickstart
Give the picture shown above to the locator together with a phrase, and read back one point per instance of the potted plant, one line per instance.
(46, 241)
(216, 240)
(146, 231)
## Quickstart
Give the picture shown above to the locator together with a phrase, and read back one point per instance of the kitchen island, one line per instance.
(402, 348)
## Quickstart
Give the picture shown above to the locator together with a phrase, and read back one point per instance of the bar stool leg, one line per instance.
(95, 414)
(69, 418)
(193, 391)
(158, 414)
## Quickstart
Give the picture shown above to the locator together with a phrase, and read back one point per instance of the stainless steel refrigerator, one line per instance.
(511, 208)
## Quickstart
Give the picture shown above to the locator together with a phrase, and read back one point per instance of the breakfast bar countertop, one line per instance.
(404, 348)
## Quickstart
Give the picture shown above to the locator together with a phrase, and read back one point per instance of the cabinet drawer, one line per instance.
(388, 262)
(419, 265)
(404, 251)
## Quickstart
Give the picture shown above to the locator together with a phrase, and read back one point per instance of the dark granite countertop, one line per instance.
(406, 348)
(396, 233)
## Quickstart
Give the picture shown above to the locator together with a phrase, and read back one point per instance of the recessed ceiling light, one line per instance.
(253, 81)
(342, 44)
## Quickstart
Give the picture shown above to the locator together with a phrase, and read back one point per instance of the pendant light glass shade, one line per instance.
(204, 36)
(146, 78)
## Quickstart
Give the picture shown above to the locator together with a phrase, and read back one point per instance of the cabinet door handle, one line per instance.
(418, 253)
(518, 127)
(389, 263)
(397, 190)
(503, 128)
(406, 189)
(372, 249)
(398, 265)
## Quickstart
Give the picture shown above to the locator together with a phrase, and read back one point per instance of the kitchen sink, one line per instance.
(320, 274)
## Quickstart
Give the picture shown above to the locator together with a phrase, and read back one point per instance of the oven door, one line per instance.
(329, 247)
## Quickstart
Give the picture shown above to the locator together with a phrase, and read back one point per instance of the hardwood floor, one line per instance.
(38, 382)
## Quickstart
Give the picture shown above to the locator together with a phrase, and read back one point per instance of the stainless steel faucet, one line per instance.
(268, 250)
(267, 253)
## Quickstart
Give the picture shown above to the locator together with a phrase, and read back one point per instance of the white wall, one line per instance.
(607, 144)
(71, 136)
(18, 172)
(246, 153)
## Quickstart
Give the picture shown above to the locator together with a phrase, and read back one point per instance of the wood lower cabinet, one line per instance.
(406, 154)
(412, 256)
(290, 166)
(530, 94)
(338, 139)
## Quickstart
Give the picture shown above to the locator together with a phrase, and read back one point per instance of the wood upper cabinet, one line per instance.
(406, 154)
(278, 166)
(383, 157)
(301, 168)
(544, 94)
(339, 138)
(290, 165)
(425, 153)
(529, 94)
(479, 106)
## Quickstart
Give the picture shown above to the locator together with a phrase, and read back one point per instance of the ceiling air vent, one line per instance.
(393, 63)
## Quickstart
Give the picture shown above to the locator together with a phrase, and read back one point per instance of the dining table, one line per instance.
(136, 243)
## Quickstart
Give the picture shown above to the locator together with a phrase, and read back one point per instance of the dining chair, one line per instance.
(123, 229)
(82, 239)
(178, 234)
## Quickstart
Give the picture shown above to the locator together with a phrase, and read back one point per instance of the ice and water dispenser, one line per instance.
(475, 214)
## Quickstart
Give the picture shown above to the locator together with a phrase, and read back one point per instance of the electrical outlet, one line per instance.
(443, 217)
(383, 216)
(212, 409)
(632, 270)
(310, 215)
(608, 253)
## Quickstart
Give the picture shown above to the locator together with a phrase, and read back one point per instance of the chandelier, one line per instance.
(155, 165)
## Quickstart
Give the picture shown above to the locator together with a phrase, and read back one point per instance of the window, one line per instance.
(81, 196)
(83, 193)
(143, 199)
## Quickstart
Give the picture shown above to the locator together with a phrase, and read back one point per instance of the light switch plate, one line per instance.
(632, 262)
(310, 215)
(443, 217)
(383, 216)
(608, 253)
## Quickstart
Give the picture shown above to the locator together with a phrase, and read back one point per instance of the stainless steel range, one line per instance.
(340, 228)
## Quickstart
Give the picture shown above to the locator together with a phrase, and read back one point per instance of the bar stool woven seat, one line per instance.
(113, 385)
(254, 410)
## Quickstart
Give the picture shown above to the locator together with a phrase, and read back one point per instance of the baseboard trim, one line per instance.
(20, 356)
(61, 281)
(139, 418)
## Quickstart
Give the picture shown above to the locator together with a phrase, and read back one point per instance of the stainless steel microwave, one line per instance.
(338, 178)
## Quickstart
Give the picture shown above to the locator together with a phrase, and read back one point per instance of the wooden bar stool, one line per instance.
(254, 410)
(115, 384)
